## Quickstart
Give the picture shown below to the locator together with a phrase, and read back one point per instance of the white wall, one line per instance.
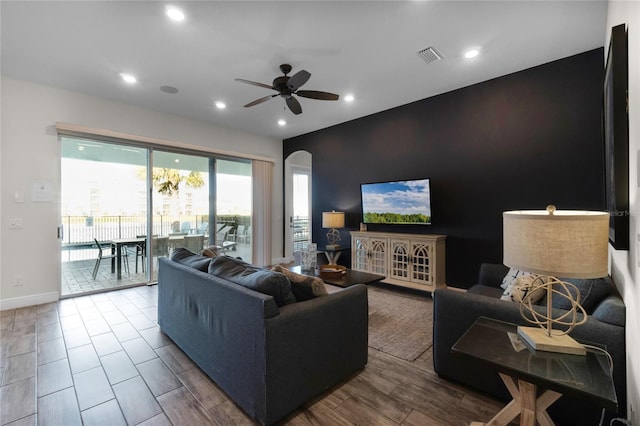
(625, 265)
(29, 150)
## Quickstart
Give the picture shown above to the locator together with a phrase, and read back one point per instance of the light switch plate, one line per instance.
(15, 223)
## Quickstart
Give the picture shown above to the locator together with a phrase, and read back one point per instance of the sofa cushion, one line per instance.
(263, 281)
(592, 292)
(511, 276)
(521, 287)
(187, 257)
(303, 287)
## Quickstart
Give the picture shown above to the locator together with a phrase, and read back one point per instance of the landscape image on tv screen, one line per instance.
(398, 202)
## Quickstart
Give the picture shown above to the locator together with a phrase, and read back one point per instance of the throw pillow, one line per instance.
(263, 281)
(187, 257)
(304, 287)
(511, 276)
(521, 287)
(211, 251)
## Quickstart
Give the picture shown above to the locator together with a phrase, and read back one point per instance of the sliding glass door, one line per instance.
(103, 200)
(125, 206)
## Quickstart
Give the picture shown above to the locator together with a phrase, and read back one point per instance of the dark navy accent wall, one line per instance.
(520, 141)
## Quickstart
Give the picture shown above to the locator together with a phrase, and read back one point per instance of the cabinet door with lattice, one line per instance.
(360, 253)
(400, 259)
(421, 271)
(378, 255)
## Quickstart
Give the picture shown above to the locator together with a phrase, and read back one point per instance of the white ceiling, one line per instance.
(364, 48)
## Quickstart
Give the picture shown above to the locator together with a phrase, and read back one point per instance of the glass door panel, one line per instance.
(233, 201)
(301, 209)
(104, 207)
(180, 200)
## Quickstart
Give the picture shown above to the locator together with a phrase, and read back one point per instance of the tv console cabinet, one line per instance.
(409, 260)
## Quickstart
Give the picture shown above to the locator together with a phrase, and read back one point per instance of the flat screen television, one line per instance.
(396, 202)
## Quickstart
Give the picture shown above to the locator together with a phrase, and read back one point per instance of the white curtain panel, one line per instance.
(262, 194)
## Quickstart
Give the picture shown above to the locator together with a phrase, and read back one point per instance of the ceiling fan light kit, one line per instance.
(287, 87)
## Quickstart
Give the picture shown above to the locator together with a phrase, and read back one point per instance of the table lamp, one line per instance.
(551, 244)
(333, 220)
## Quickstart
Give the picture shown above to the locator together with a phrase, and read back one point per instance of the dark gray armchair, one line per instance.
(455, 311)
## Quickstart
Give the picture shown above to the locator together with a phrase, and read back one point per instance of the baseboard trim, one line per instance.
(34, 299)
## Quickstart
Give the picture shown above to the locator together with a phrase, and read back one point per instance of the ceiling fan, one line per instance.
(287, 87)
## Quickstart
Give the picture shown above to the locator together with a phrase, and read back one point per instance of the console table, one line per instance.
(408, 260)
(523, 370)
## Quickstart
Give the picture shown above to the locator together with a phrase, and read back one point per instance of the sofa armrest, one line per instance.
(491, 274)
(313, 345)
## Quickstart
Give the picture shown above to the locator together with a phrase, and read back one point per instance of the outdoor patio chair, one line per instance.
(102, 255)
(245, 235)
(141, 252)
(238, 233)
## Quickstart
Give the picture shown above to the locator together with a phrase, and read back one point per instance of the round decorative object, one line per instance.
(553, 286)
(331, 271)
(333, 236)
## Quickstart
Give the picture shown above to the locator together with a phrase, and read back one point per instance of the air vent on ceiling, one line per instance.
(430, 54)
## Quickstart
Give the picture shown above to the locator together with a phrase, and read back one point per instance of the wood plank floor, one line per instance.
(101, 360)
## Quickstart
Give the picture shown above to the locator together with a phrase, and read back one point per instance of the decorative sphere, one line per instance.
(568, 291)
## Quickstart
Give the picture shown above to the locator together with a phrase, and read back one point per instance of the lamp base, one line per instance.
(538, 339)
(332, 246)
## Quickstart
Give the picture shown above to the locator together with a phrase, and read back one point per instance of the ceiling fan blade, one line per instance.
(255, 83)
(298, 79)
(259, 101)
(294, 105)
(314, 94)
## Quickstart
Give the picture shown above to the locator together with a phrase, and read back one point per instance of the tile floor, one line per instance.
(102, 360)
(77, 270)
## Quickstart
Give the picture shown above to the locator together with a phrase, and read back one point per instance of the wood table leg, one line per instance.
(544, 401)
(525, 403)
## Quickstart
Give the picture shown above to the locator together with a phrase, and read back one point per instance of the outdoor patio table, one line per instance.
(118, 243)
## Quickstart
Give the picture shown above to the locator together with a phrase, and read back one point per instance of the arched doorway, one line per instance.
(297, 188)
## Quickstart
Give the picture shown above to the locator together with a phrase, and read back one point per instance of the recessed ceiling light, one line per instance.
(348, 98)
(177, 160)
(220, 105)
(128, 78)
(281, 122)
(175, 14)
(471, 53)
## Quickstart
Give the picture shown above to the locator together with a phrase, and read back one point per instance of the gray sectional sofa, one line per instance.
(456, 311)
(270, 353)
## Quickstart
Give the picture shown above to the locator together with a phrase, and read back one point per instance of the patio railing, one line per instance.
(81, 230)
(300, 232)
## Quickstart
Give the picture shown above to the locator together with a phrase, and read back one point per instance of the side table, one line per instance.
(523, 370)
(332, 254)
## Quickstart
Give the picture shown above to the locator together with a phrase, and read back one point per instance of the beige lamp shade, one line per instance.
(333, 219)
(563, 243)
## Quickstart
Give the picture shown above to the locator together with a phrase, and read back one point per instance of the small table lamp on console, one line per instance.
(551, 244)
(333, 220)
